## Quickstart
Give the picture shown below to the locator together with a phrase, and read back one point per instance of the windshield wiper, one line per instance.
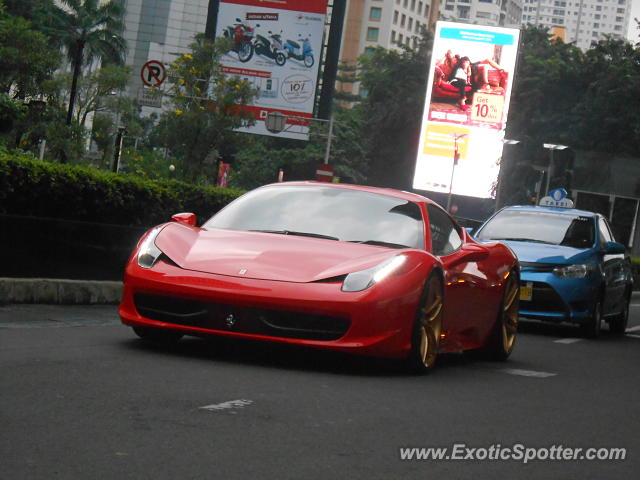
(380, 243)
(298, 234)
(524, 240)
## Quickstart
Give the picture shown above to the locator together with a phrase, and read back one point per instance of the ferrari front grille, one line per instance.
(241, 319)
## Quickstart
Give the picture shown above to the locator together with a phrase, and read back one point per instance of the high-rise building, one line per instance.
(160, 30)
(581, 22)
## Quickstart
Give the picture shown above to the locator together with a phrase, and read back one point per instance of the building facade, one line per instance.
(582, 22)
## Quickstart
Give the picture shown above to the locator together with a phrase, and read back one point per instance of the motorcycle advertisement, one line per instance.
(466, 106)
(276, 45)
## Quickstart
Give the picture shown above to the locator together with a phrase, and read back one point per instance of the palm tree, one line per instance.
(89, 30)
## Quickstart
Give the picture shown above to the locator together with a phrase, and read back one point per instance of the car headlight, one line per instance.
(149, 253)
(358, 281)
(575, 271)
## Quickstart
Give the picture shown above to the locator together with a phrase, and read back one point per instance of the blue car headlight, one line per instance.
(575, 271)
(149, 252)
(363, 279)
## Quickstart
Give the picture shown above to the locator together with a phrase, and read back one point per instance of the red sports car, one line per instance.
(357, 269)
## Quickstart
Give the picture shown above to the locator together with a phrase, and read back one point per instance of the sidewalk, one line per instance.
(59, 292)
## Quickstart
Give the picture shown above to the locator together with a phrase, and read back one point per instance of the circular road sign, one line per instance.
(153, 73)
(324, 173)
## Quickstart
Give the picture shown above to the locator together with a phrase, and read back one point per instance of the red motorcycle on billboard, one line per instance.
(242, 36)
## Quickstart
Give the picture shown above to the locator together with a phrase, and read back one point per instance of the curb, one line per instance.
(59, 292)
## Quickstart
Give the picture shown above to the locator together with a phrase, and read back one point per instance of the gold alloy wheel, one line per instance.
(510, 307)
(430, 322)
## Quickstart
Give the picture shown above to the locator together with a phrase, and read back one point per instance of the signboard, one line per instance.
(149, 98)
(324, 173)
(276, 45)
(153, 73)
(467, 101)
(556, 198)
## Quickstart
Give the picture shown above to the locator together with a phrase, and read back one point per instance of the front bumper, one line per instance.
(558, 299)
(376, 322)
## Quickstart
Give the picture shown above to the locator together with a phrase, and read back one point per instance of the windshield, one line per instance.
(544, 227)
(326, 212)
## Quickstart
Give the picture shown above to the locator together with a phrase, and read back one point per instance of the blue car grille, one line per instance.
(544, 299)
(537, 267)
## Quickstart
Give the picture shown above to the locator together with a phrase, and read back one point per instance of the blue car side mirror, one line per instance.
(614, 248)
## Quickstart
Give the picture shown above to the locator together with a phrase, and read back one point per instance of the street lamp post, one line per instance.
(551, 147)
(456, 157)
(505, 141)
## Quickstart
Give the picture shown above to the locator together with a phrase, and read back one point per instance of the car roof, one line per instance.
(559, 210)
(390, 192)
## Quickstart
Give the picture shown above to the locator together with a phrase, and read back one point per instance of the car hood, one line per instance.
(265, 256)
(546, 253)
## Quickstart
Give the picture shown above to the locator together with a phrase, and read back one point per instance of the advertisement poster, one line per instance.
(276, 46)
(465, 115)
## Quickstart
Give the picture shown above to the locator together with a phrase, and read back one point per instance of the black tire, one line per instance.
(592, 328)
(308, 61)
(427, 326)
(618, 324)
(280, 58)
(245, 52)
(156, 335)
(503, 336)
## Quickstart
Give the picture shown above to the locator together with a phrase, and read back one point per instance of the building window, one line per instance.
(395, 17)
(372, 34)
(417, 27)
(393, 36)
(598, 8)
(486, 1)
(410, 24)
(400, 39)
(448, 7)
(368, 51)
(375, 13)
(619, 19)
(403, 21)
(596, 25)
(405, 3)
(463, 12)
(419, 8)
(597, 16)
(413, 5)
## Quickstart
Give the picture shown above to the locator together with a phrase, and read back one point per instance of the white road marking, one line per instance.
(527, 373)
(633, 329)
(228, 405)
(632, 336)
(567, 341)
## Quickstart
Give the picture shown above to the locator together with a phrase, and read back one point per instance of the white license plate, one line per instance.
(526, 291)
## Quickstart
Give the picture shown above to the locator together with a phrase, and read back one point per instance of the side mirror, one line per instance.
(185, 218)
(614, 248)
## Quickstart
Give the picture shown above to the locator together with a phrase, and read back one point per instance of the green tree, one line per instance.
(26, 57)
(207, 107)
(394, 85)
(89, 30)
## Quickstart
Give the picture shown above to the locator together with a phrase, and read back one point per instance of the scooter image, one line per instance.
(242, 36)
(271, 47)
(304, 54)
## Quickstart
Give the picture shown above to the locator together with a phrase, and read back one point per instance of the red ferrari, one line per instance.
(357, 269)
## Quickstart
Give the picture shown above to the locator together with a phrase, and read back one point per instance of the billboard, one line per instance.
(276, 45)
(466, 106)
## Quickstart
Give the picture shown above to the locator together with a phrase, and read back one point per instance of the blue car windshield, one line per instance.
(542, 227)
(326, 212)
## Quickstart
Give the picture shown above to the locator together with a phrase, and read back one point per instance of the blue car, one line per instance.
(572, 269)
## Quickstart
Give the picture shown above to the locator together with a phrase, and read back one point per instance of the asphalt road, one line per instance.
(81, 397)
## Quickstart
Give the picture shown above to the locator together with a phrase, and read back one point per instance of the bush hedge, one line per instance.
(32, 187)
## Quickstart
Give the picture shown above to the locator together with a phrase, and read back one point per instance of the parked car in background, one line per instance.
(572, 269)
(342, 267)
